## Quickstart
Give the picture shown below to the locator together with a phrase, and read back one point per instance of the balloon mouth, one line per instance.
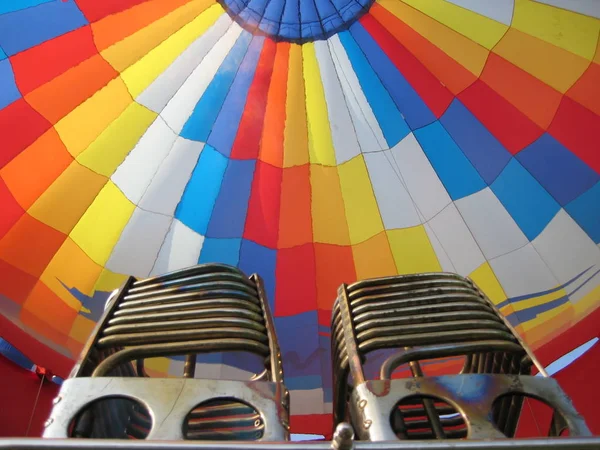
(297, 21)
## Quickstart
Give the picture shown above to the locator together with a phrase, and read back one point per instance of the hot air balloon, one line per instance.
(313, 143)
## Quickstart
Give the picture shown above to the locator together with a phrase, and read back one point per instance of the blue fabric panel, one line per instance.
(226, 251)
(225, 128)
(290, 25)
(527, 202)
(229, 214)
(390, 120)
(528, 314)
(8, 88)
(454, 169)
(301, 356)
(410, 104)
(198, 199)
(16, 5)
(255, 258)
(484, 151)
(28, 27)
(2, 54)
(200, 123)
(561, 172)
(271, 20)
(585, 210)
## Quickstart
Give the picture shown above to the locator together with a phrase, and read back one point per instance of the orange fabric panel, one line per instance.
(373, 258)
(14, 283)
(116, 27)
(334, 266)
(65, 201)
(44, 303)
(30, 245)
(453, 75)
(532, 97)
(586, 91)
(42, 162)
(58, 97)
(271, 146)
(295, 225)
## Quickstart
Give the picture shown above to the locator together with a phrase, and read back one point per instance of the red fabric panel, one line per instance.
(434, 94)
(11, 210)
(509, 125)
(335, 265)
(37, 352)
(295, 294)
(580, 380)
(42, 63)
(576, 335)
(18, 390)
(20, 126)
(578, 129)
(247, 140)
(262, 221)
(95, 10)
(313, 424)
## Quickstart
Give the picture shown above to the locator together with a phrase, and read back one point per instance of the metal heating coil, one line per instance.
(414, 314)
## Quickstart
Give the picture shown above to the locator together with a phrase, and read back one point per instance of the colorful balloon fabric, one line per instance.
(313, 142)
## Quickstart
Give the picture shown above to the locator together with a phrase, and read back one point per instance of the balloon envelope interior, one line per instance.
(315, 143)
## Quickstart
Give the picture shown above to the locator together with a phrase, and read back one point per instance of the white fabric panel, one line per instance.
(157, 95)
(234, 373)
(523, 272)
(342, 130)
(370, 136)
(439, 250)
(136, 172)
(304, 402)
(168, 184)
(422, 182)
(457, 241)
(569, 251)
(493, 227)
(139, 244)
(180, 249)
(498, 10)
(182, 104)
(587, 7)
(395, 205)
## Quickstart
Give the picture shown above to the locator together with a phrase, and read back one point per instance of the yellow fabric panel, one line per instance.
(483, 30)
(141, 74)
(373, 258)
(98, 231)
(131, 49)
(412, 251)
(108, 281)
(554, 66)
(65, 201)
(362, 212)
(81, 127)
(587, 304)
(71, 268)
(466, 52)
(82, 329)
(109, 150)
(571, 31)
(320, 143)
(485, 278)
(158, 364)
(532, 302)
(328, 213)
(296, 131)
